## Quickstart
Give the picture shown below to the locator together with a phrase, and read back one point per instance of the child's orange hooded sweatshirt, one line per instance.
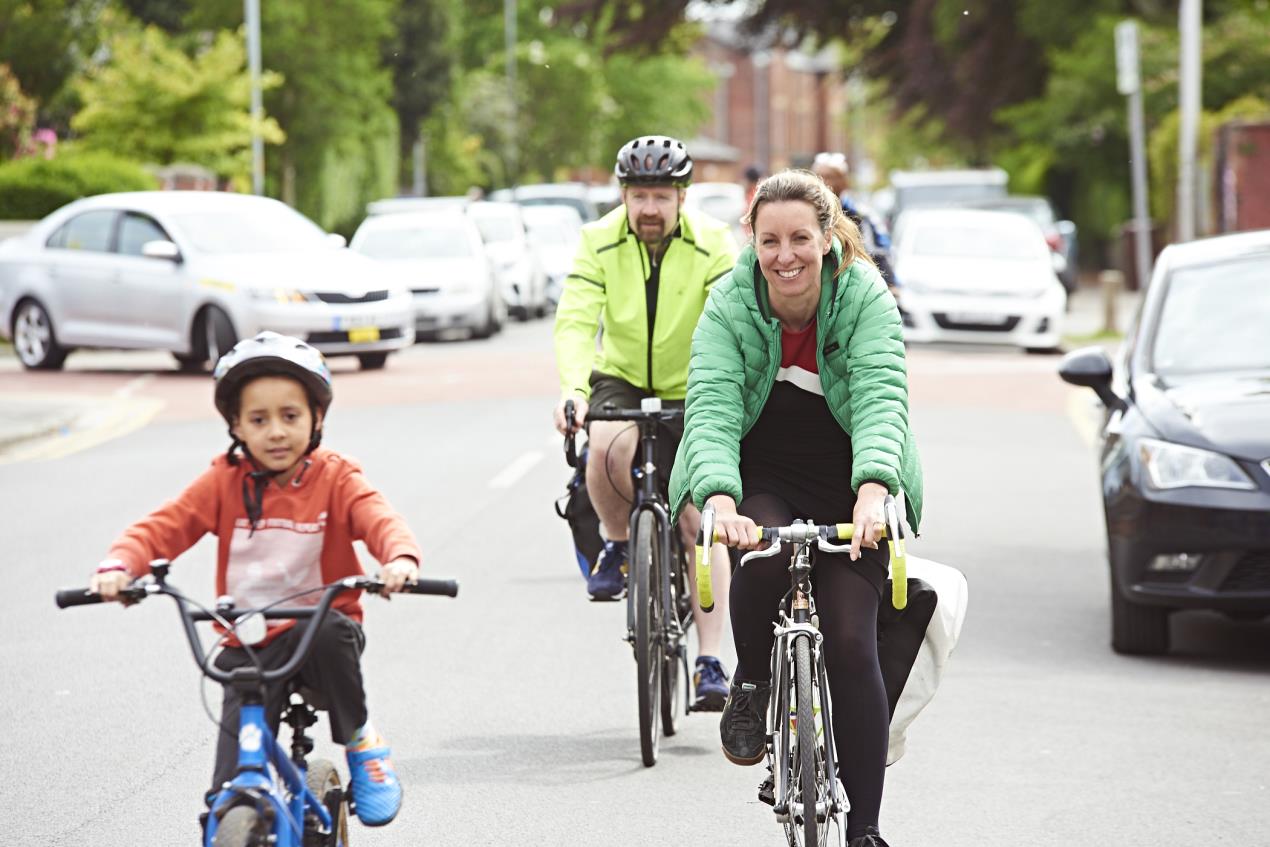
(304, 537)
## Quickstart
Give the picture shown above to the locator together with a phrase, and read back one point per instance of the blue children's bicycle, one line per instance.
(275, 799)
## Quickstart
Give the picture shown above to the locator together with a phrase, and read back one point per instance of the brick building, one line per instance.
(774, 106)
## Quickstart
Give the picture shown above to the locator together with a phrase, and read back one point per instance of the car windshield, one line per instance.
(260, 228)
(495, 229)
(432, 242)
(1214, 319)
(945, 195)
(549, 233)
(974, 242)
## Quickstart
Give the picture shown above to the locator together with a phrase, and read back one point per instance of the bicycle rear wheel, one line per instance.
(645, 594)
(324, 781)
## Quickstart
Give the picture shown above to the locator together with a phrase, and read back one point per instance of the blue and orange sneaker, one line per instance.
(373, 782)
(607, 581)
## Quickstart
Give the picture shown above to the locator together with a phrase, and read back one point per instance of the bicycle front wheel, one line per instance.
(674, 679)
(646, 595)
(242, 826)
(809, 771)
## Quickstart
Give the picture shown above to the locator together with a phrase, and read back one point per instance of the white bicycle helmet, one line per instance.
(270, 353)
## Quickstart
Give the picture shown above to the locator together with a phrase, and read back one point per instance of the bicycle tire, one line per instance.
(674, 675)
(242, 826)
(808, 768)
(646, 596)
(324, 781)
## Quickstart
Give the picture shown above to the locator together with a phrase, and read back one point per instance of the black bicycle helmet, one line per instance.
(654, 160)
(270, 353)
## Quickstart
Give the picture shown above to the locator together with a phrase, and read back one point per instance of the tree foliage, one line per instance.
(154, 103)
(17, 115)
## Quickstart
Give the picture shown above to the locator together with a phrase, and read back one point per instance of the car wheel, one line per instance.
(34, 338)
(372, 361)
(1137, 629)
(213, 337)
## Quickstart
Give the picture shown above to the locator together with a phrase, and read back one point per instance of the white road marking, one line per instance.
(1084, 416)
(511, 474)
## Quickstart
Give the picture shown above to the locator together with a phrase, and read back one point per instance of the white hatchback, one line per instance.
(192, 272)
(977, 276)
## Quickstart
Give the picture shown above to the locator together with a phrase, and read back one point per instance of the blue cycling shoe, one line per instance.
(711, 684)
(373, 782)
(607, 580)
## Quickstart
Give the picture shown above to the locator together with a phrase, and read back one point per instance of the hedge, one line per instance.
(31, 188)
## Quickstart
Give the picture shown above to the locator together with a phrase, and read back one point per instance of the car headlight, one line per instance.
(1174, 466)
(279, 295)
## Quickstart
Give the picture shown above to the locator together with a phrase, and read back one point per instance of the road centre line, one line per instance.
(134, 385)
(511, 474)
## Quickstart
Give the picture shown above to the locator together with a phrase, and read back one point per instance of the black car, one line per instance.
(1185, 448)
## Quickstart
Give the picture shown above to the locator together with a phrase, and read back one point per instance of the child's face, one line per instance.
(275, 422)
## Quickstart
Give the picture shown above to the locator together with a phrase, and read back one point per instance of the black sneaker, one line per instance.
(743, 728)
(871, 838)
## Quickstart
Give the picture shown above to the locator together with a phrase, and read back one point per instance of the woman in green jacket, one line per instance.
(797, 407)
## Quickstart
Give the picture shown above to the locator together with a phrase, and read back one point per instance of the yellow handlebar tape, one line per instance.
(705, 587)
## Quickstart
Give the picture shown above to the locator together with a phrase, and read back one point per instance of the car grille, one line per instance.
(1251, 573)
(433, 290)
(338, 297)
(342, 337)
(946, 322)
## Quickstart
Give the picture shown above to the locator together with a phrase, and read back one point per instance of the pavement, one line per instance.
(29, 418)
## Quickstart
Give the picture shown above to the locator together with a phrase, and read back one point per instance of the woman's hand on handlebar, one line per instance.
(580, 408)
(730, 528)
(109, 581)
(395, 574)
(869, 517)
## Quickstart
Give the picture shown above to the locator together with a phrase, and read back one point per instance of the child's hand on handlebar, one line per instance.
(730, 528)
(580, 407)
(395, 574)
(109, 580)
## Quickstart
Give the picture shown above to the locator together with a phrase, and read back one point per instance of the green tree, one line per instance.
(422, 55)
(17, 115)
(44, 43)
(154, 103)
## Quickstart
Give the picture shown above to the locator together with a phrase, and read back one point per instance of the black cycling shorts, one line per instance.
(610, 389)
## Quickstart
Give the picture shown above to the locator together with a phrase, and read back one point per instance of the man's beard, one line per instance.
(651, 231)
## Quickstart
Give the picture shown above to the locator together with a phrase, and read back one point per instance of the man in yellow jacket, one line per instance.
(642, 273)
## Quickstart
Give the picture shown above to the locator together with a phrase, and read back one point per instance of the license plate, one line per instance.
(363, 334)
(978, 318)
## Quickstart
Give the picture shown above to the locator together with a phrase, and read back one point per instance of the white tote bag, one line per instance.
(941, 637)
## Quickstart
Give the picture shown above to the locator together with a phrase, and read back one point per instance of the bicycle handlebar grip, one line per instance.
(68, 597)
(442, 587)
(705, 582)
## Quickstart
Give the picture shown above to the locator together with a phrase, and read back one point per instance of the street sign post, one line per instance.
(1128, 83)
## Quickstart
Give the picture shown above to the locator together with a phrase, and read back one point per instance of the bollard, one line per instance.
(1111, 283)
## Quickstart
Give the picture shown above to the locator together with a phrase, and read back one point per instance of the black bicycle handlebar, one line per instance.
(68, 597)
(609, 412)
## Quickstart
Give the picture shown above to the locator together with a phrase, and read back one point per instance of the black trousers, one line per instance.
(847, 596)
(334, 671)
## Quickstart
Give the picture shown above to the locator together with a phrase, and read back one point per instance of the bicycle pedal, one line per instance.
(767, 792)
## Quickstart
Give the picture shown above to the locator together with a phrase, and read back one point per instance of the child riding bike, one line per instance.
(286, 514)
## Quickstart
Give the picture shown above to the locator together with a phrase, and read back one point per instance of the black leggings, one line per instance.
(847, 595)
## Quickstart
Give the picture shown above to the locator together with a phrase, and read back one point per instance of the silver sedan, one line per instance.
(191, 272)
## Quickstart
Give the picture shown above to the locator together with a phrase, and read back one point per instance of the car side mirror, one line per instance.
(336, 240)
(1089, 367)
(159, 249)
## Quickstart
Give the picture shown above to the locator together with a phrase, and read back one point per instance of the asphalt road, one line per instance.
(512, 709)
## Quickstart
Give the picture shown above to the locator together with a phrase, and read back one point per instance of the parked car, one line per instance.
(554, 232)
(519, 271)
(393, 205)
(442, 259)
(192, 272)
(1185, 446)
(724, 201)
(575, 194)
(1059, 235)
(977, 276)
(924, 189)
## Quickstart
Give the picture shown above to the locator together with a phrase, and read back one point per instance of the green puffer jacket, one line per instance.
(735, 356)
